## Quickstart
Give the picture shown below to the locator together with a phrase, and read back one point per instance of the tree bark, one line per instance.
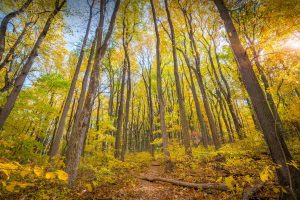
(197, 103)
(288, 176)
(61, 125)
(76, 142)
(168, 163)
(120, 114)
(126, 40)
(84, 85)
(199, 78)
(183, 118)
(4, 23)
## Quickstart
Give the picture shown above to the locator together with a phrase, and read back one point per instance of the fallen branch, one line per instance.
(249, 192)
(204, 186)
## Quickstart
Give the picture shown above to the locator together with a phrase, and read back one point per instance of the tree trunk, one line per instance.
(60, 129)
(288, 176)
(76, 142)
(227, 96)
(199, 78)
(127, 106)
(27, 66)
(197, 103)
(168, 163)
(84, 85)
(183, 118)
(4, 23)
(13, 48)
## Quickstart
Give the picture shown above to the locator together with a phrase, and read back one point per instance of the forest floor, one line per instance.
(237, 166)
(237, 172)
(146, 190)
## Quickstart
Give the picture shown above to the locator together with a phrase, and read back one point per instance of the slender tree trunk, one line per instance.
(13, 48)
(183, 118)
(197, 103)
(253, 115)
(267, 88)
(227, 96)
(127, 106)
(130, 146)
(84, 86)
(222, 105)
(60, 129)
(72, 117)
(117, 153)
(151, 114)
(4, 24)
(27, 66)
(288, 176)
(76, 142)
(148, 87)
(168, 163)
(199, 78)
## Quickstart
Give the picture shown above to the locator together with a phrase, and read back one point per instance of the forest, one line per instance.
(150, 99)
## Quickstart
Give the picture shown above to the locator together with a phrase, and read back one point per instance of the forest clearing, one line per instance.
(150, 99)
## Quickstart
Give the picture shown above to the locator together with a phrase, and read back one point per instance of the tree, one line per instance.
(55, 145)
(161, 102)
(76, 142)
(183, 118)
(288, 176)
(4, 23)
(27, 66)
(199, 78)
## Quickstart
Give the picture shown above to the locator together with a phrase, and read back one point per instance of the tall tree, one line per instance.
(199, 78)
(183, 117)
(288, 176)
(11, 100)
(196, 100)
(55, 145)
(76, 142)
(160, 97)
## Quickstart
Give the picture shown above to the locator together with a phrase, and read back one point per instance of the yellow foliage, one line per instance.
(266, 174)
(230, 182)
(38, 171)
(50, 175)
(62, 175)
(89, 187)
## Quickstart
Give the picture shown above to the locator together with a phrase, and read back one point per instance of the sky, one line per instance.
(76, 21)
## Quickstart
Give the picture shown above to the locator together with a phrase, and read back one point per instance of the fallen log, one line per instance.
(203, 186)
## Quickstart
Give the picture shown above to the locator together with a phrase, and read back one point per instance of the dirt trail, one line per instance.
(149, 190)
(145, 190)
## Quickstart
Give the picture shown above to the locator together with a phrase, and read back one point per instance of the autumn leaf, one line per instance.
(38, 171)
(50, 175)
(229, 182)
(62, 175)
(11, 187)
(89, 187)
